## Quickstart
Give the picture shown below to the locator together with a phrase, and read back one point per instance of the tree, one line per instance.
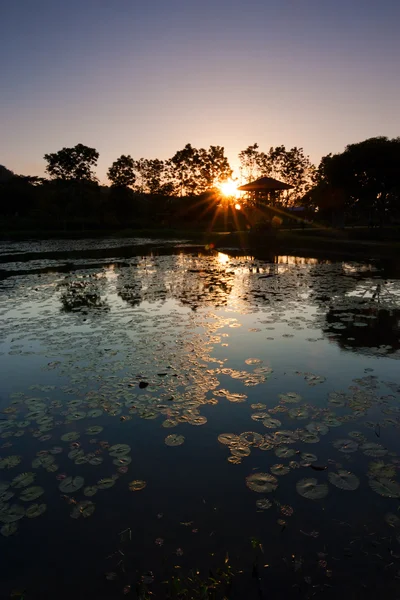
(121, 173)
(196, 171)
(368, 174)
(153, 177)
(72, 164)
(249, 163)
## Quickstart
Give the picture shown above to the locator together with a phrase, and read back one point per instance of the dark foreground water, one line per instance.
(185, 409)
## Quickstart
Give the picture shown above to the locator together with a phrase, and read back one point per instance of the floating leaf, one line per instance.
(392, 520)
(137, 485)
(31, 493)
(345, 445)
(90, 490)
(35, 510)
(174, 440)
(385, 487)
(123, 461)
(105, 483)
(344, 480)
(372, 449)
(285, 452)
(279, 469)
(119, 450)
(71, 484)
(9, 529)
(263, 503)
(94, 430)
(71, 436)
(228, 438)
(311, 489)
(261, 482)
(10, 461)
(379, 469)
(23, 480)
(271, 423)
(315, 427)
(83, 509)
(12, 513)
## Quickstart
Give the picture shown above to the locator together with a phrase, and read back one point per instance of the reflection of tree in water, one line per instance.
(82, 293)
(192, 280)
(376, 330)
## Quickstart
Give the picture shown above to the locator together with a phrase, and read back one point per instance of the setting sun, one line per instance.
(229, 188)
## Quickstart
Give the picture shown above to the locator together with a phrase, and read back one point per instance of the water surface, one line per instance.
(295, 358)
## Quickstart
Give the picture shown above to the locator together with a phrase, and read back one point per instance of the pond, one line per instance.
(169, 410)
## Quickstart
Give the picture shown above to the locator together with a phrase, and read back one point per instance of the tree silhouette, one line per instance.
(72, 163)
(121, 173)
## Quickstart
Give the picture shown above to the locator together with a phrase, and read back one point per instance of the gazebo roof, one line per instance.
(264, 184)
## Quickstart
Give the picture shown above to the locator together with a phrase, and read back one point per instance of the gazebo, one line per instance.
(265, 190)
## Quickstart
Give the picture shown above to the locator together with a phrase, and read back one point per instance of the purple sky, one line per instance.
(145, 78)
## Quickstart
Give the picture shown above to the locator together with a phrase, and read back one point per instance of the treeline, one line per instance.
(362, 183)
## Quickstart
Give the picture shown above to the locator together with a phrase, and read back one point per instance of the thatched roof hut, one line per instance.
(265, 184)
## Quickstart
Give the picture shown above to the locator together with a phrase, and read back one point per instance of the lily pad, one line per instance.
(105, 483)
(346, 445)
(373, 449)
(261, 482)
(95, 430)
(12, 513)
(137, 485)
(90, 490)
(392, 520)
(35, 510)
(23, 480)
(119, 450)
(263, 503)
(174, 440)
(344, 480)
(9, 529)
(385, 487)
(71, 436)
(271, 423)
(228, 438)
(285, 452)
(279, 469)
(31, 493)
(71, 484)
(83, 509)
(311, 489)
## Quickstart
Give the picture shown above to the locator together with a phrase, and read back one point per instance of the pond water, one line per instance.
(173, 409)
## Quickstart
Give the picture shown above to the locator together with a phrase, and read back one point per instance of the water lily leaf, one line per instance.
(228, 438)
(373, 449)
(9, 529)
(385, 487)
(317, 428)
(105, 483)
(23, 480)
(83, 509)
(95, 460)
(71, 436)
(76, 415)
(35, 510)
(346, 445)
(308, 438)
(174, 440)
(123, 461)
(90, 490)
(240, 451)
(43, 461)
(290, 398)
(308, 458)
(344, 480)
(10, 461)
(137, 485)
(31, 493)
(119, 450)
(261, 482)
(379, 469)
(197, 420)
(285, 452)
(250, 438)
(263, 503)
(95, 430)
(311, 489)
(12, 513)
(279, 469)
(392, 520)
(71, 484)
(271, 423)
(94, 412)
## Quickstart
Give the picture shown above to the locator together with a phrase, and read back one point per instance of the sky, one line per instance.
(146, 78)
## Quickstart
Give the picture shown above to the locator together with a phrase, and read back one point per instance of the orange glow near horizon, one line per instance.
(229, 188)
